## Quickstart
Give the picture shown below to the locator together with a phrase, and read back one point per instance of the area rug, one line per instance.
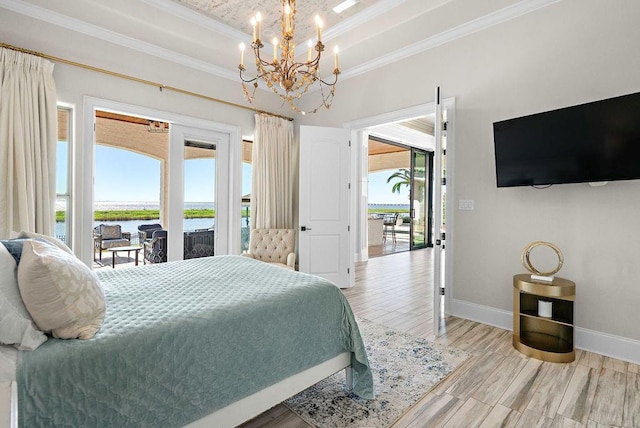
(404, 369)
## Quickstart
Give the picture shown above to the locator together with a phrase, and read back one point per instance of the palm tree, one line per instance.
(404, 179)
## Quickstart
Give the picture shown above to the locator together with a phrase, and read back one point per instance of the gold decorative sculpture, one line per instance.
(526, 260)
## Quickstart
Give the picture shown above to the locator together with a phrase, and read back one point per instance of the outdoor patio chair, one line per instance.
(275, 246)
(155, 250)
(198, 244)
(145, 231)
(109, 236)
(390, 223)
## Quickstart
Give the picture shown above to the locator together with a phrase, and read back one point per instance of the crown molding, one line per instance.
(510, 12)
(484, 22)
(79, 26)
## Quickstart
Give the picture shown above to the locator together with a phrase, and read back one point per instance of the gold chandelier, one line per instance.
(288, 79)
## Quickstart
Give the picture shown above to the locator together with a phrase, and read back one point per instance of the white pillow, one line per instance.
(16, 327)
(61, 293)
(53, 240)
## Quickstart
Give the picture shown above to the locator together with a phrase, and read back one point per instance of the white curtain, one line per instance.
(28, 139)
(273, 158)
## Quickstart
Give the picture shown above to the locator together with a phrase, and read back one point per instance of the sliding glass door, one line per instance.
(420, 200)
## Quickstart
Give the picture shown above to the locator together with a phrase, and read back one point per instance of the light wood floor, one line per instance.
(497, 386)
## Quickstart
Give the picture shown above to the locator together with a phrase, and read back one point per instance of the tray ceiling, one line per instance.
(205, 34)
(237, 13)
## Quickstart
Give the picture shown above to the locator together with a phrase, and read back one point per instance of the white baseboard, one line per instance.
(483, 314)
(610, 345)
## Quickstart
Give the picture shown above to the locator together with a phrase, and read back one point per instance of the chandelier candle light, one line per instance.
(287, 78)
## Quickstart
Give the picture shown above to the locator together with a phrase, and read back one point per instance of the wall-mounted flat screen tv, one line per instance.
(593, 142)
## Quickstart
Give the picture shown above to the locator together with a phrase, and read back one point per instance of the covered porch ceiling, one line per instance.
(131, 133)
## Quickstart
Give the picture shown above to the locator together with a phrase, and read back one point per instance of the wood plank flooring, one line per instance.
(497, 386)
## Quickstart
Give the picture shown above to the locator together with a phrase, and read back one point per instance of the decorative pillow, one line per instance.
(61, 293)
(14, 246)
(55, 241)
(16, 327)
(111, 232)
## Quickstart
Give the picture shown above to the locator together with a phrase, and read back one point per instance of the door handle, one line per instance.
(304, 228)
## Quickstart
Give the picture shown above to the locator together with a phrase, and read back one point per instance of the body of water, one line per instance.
(132, 225)
(399, 207)
(188, 224)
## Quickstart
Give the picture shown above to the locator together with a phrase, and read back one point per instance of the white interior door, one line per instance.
(438, 223)
(324, 247)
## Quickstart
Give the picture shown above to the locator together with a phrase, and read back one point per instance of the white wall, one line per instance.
(572, 52)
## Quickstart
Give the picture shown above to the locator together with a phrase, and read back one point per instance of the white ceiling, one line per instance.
(205, 34)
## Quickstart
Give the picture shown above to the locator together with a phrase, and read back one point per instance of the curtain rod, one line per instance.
(136, 79)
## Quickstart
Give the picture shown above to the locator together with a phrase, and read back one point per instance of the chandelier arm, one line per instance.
(321, 80)
(259, 61)
(314, 62)
(309, 65)
(263, 63)
(262, 74)
(247, 81)
(330, 84)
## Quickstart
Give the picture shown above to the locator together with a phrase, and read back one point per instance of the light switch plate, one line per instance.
(465, 204)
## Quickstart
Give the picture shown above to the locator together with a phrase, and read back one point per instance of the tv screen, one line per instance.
(597, 141)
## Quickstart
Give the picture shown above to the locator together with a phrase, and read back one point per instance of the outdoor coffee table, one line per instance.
(128, 249)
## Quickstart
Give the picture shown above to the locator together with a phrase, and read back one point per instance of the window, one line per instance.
(63, 194)
(199, 199)
(247, 169)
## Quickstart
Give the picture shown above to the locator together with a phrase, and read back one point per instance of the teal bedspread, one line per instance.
(183, 339)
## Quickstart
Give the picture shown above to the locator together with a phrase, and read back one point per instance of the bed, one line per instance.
(202, 342)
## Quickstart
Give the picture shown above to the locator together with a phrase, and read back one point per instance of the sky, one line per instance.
(121, 175)
(380, 190)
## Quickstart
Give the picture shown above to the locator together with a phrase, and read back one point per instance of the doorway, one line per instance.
(399, 197)
(388, 125)
(200, 160)
(227, 140)
(129, 160)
